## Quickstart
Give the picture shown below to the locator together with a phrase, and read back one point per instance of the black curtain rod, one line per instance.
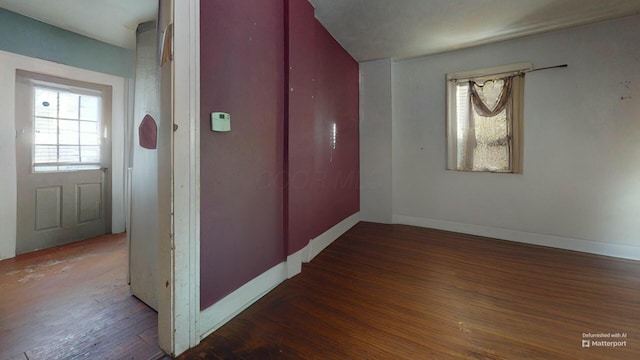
(515, 72)
(549, 67)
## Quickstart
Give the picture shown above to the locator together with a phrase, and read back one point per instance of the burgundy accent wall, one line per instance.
(241, 205)
(337, 101)
(275, 181)
(300, 219)
(323, 177)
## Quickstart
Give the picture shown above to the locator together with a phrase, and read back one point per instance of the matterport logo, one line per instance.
(610, 340)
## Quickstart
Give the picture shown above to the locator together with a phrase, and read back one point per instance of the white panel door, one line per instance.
(63, 157)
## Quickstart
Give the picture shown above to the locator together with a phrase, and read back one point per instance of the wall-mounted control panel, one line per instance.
(220, 122)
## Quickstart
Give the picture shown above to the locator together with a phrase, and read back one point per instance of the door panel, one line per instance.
(58, 207)
(89, 202)
(48, 208)
(143, 229)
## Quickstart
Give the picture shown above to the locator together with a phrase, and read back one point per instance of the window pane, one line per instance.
(46, 102)
(69, 154)
(89, 108)
(90, 154)
(63, 141)
(45, 154)
(89, 133)
(69, 132)
(46, 131)
(69, 105)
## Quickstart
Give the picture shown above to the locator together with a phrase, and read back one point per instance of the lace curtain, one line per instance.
(487, 99)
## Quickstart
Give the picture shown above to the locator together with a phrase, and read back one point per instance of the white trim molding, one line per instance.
(325, 239)
(319, 243)
(183, 310)
(233, 304)
(586, 246)
(295, 260)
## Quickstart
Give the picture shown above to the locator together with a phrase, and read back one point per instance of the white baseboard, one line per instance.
(316, 245)
(587, 246)
(325, 239)
(295, 260)
(231, 305)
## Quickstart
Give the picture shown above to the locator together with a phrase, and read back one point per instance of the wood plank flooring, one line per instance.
(401, 292)
(73, 302)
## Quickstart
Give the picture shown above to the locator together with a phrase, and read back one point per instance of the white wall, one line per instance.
(9, 63)
(580, 188)
(375, 141)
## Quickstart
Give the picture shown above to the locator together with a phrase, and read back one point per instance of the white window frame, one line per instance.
(452, 79)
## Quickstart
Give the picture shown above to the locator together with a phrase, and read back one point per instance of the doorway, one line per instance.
(73, 283)
(63, 157)
(54, 81)
(178, 310)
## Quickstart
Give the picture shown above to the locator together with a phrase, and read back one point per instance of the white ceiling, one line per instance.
(374, 29)
(368, 29)
(111, 21)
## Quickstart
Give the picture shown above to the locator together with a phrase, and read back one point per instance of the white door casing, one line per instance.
(179, 305)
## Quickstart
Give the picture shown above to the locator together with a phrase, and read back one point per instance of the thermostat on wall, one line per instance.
(220, 122)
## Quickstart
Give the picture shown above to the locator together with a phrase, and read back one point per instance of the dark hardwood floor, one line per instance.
(73, 302)
(400, 292)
